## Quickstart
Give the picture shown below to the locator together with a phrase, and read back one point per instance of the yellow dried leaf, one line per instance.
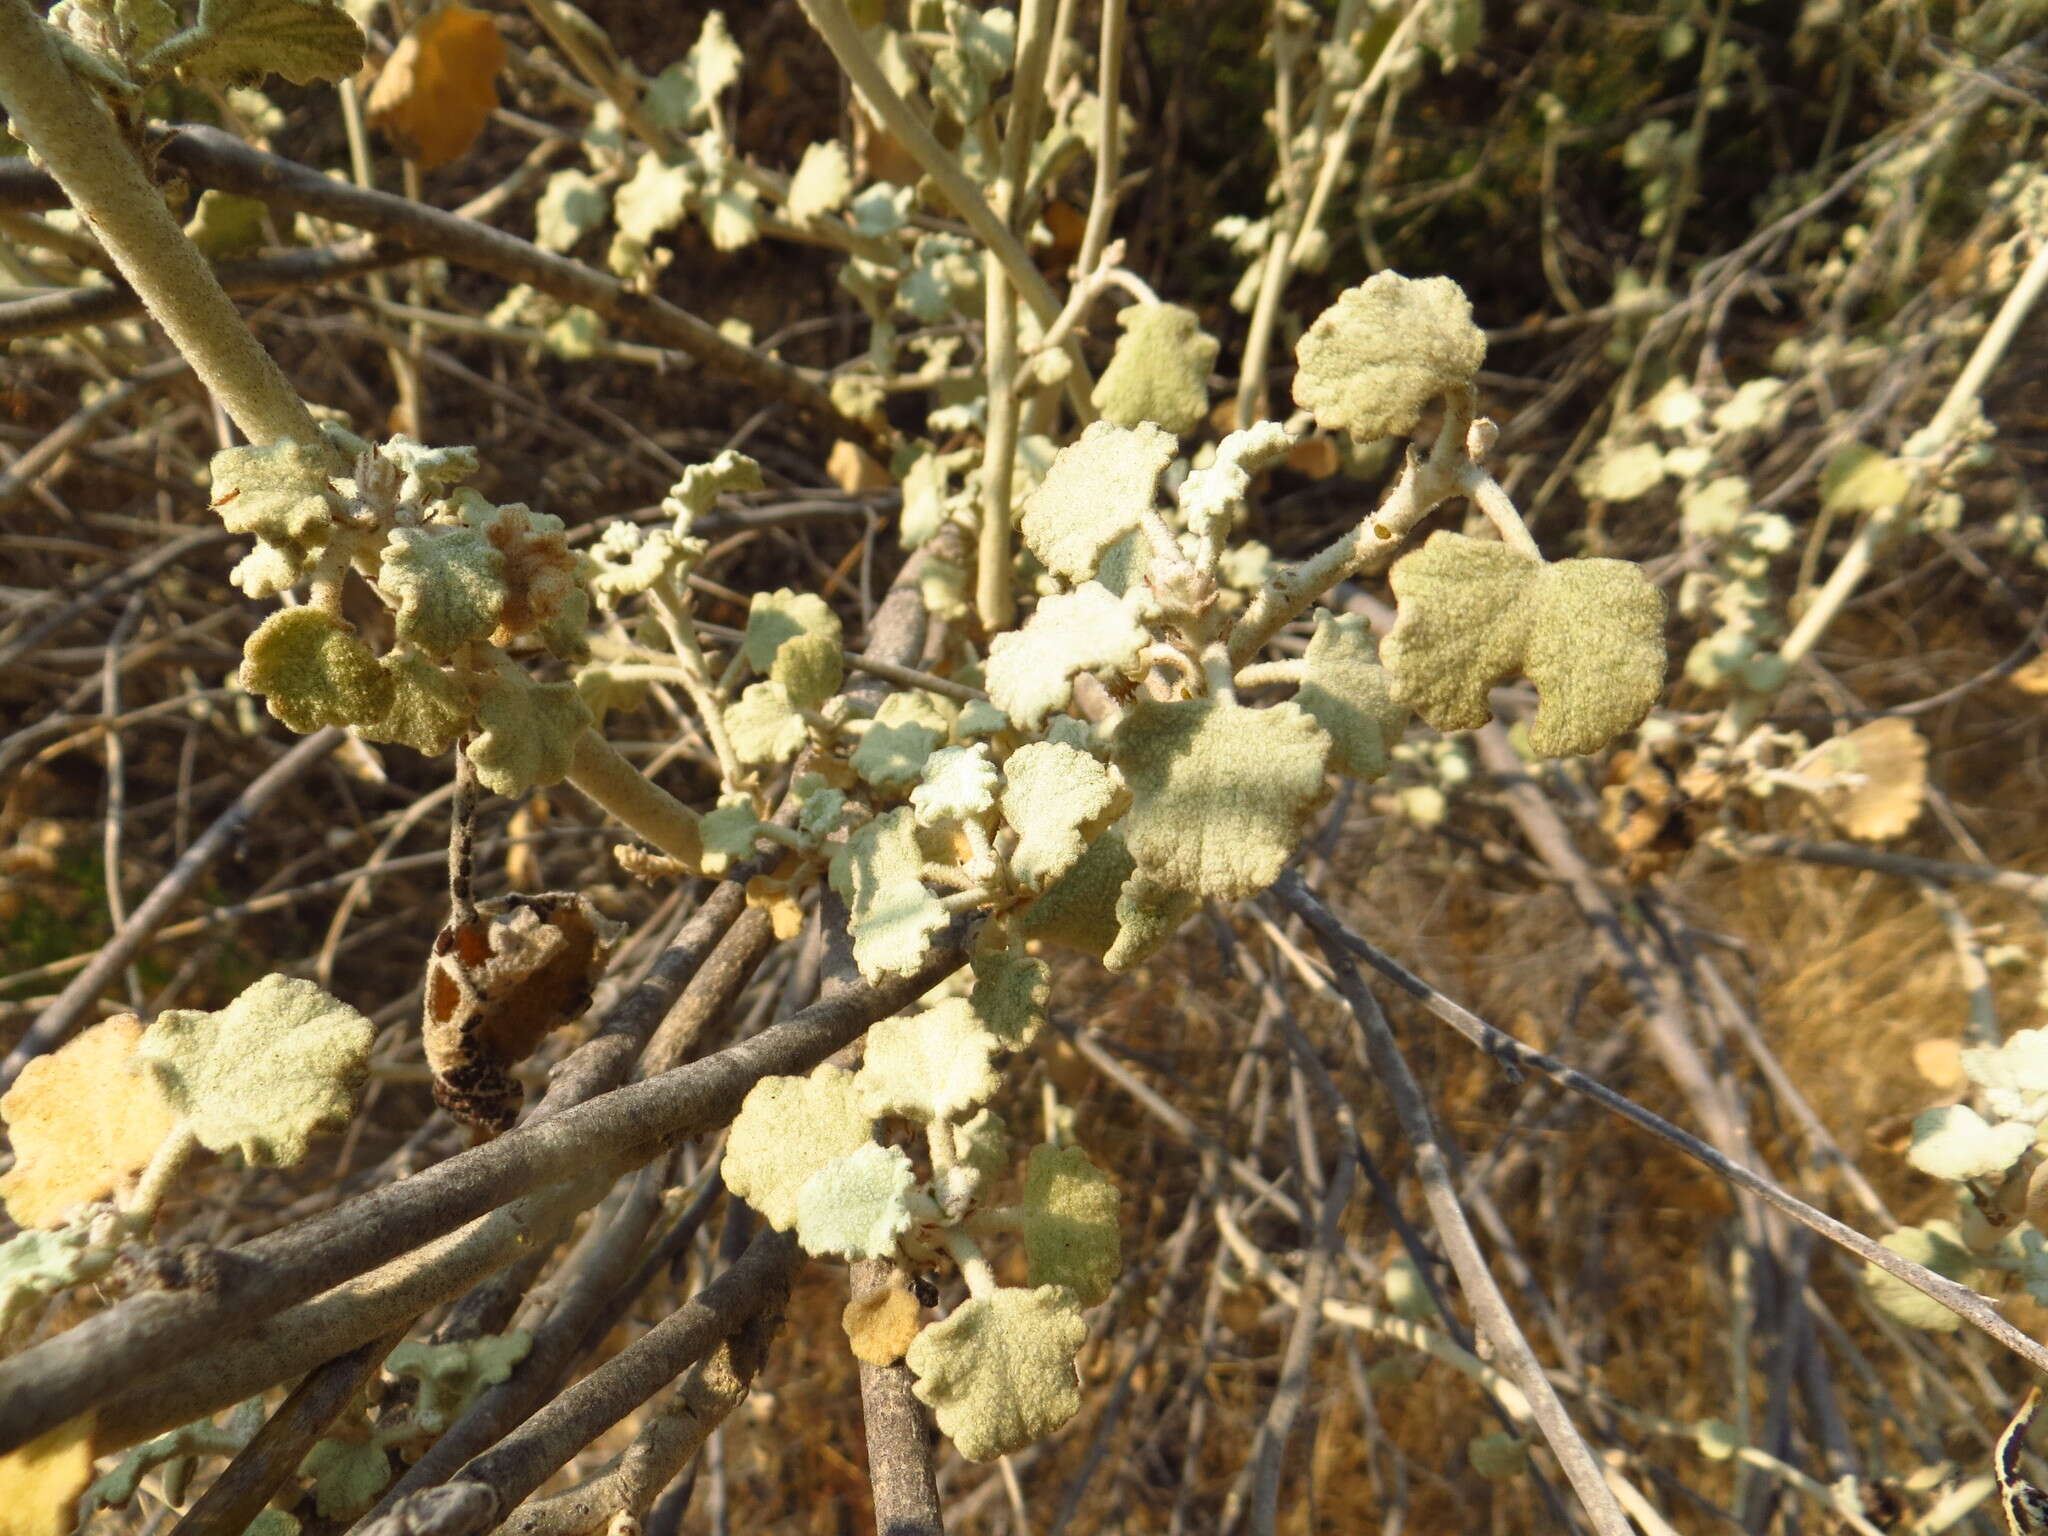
(2032, 678)
(439, 87)
(1878, 775)
(852, 468)
(82, 1122)
(881, 1326)
(40, 1483)
(1940, 1062)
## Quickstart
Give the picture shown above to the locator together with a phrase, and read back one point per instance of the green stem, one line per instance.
(831, 22)
(76, 137)
(155, 1182)
(635, 801)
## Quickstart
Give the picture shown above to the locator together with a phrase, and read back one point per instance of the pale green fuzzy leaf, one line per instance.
(959, 88)
(1716, 509)
(1861, 479)
(1212, 499)
(1716, 1438)
(118, 31)
(268, 570)
(999, 1373)
(448, 583)
(1953, 1141)
(1078, 910)
(273, 1522)
(202, 1437)
(281, 494)
(1498, 1455)
(2014, 1076)
(783, 615)
(731, 218)
(893, 916)
(702, 484)
(1068, 1223)
(314, 670)
(929, 1066)
(529, 734)
(957, 783)
(1147, 915)
(654, 199)
(1351, 695)
(1622, 472)
(1373, 361)
(1588, 633)
(226, 225)
(983, 1143)
(682, 96)
(36, 1264)
(628, 560)
(764, 728)
(810, 669)
(1220, 794)
(302, 40)
(1051, 793)
(787, 1129)
(988, 36)
(570, 206)
(1097, 490)
(1749, 407)
(1160, 371)
(1938, 1246)
(429, 708)
(1009, 996)
(573, 336)
(822, 183)
(451, 1376)
(917, 706)
(347, 1476)
(980, 717)
(892, 757)
(429, 473)
(822, 806)
(728, 833)
(858, 1205)
(1031, 670)
(944, 279)
(260, 1076)
(882, 209)
(924, 500)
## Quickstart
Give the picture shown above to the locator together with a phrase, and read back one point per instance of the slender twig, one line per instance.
(1978, 1311)
(238, 1495)
(1490, 1311)
(55, 1021)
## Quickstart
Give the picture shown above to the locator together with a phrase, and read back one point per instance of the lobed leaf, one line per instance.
(451, 1376)
(82, 1122)
(810, 669)
(763, 726)
(448, 583)
(1220, 794)
(787, 1129)
(1351, 695)
(314, 670)
(1099, 488)
(1373, 361)
(303, 40)
(822, 183)
(893, 916)
(778, 617)
(999, 1373)
(1938, 1246)
(857, 1206)
(1053, 795)
(1031, 670)
(929, 1066)
(429, 708)
(1953, 1141)
(1069, 1223)
(2013, 1076)
(955, 784)
(260, 1076)
(529, 733)
(1160, 371)
(683, 95)
(1588, 633)
(1009, 996)
(569, 207)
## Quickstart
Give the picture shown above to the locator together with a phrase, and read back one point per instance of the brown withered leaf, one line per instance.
(439, 87)
(497, 986)
(1875, 778)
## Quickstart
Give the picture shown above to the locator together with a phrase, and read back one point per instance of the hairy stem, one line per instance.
(53, 111)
